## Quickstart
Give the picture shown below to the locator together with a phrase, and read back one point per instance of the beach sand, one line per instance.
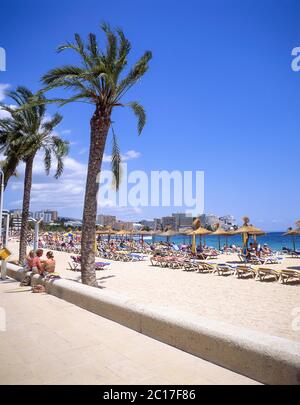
(263, 306)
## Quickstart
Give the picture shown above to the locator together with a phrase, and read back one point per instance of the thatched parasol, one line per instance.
(168, 234)
(220, 232)
(123, 232)
(106, 232)
(143, 233)
(293, 232)
(247, 230)
(201, 232)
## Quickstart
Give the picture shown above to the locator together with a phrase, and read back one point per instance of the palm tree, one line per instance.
(22, 136)
(98, 80)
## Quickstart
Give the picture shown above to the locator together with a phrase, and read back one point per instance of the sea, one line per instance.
(275, 240)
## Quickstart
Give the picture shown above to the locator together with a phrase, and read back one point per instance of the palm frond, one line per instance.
(139, 111)
(97, 79)
(47, 160)
(52, 123)
(116, 161)
(60, 149)
(139, 69)
(26, 131)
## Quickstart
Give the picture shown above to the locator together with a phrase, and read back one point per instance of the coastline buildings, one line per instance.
(157, 224)
(182, 220)
(123, 225)
(106, 220)
(226, 222)
(148, 223)
(16, 218)
(73, 224)
(208, 220)
(176, 221)
(168, 223)
(47, 216)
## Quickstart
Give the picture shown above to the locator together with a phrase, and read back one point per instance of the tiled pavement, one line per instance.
(50, 341)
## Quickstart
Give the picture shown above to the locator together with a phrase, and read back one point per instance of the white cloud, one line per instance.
(129, 155)
(5, 114)
(3, 88)
(65, 194)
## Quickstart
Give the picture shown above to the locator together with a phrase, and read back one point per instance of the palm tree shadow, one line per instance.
(78, 280)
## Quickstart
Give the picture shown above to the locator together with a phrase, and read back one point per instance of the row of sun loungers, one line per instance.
(122, 256)
(272, 259)
(239, 271)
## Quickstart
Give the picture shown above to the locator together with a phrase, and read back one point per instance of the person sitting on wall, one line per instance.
(48, 265)
(36, 262)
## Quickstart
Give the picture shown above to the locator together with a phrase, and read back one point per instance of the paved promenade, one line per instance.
(49, 341)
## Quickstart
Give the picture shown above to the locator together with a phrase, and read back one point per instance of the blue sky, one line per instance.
(220, 97)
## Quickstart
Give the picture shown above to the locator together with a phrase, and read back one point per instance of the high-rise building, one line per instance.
(44, 215)
(182, 220)
(148, 223)
(157, 224)
(168, 223)
(54, 215)
(106, 220)
(208, 220)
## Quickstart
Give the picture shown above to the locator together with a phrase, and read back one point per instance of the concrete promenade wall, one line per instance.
(265, 358)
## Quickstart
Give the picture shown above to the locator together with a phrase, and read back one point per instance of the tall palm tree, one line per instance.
(22, 136)
(98, 80)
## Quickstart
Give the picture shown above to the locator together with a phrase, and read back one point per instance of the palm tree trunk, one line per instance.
(99, 130)
(25, 209)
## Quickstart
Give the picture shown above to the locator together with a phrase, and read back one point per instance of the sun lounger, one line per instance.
(287, 275)
(101, 265)
(262, 272)
(205, 267)
(75, 264)
(244, 271)
(223, 270)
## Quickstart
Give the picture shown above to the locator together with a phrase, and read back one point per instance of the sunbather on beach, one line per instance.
(266, 250)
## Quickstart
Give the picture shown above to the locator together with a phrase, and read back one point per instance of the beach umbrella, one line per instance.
(107, 231)
(245, 230)
(143, 233)
(201, 232)
(228, 233)
(220, 232)
(153, 234)
(122, 232)
(293, 232)
(186, 232)
(194, 247)
(168, 234)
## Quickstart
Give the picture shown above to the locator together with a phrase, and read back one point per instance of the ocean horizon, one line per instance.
(275, 240)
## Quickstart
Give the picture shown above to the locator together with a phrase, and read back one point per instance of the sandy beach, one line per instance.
(263, 306)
